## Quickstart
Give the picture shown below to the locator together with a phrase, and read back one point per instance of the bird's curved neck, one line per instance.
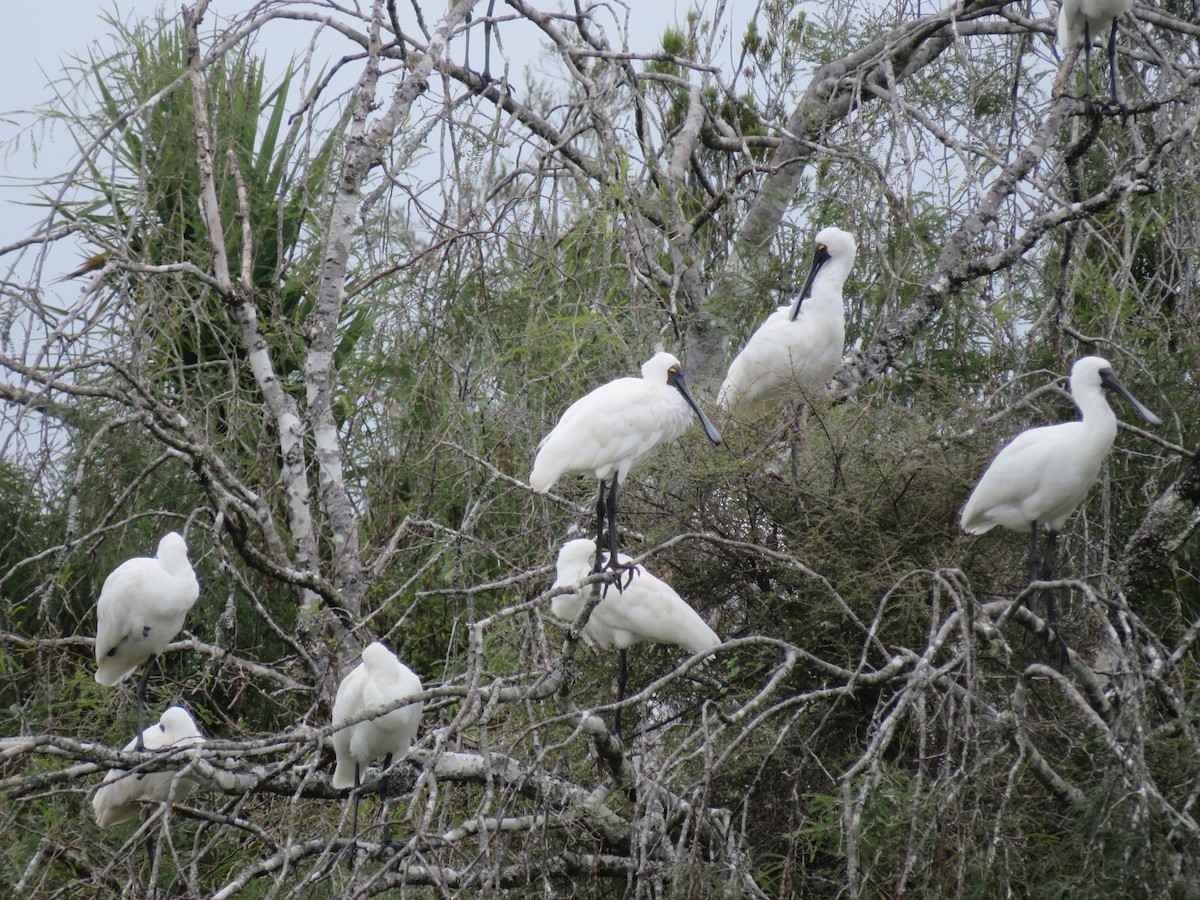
(824, 300)
(1097, 415)
(175, 565)
(827, 286)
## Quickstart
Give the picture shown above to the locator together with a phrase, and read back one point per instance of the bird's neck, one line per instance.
(175, 566)
(826, 298)
(567, 606)
(1098, 416)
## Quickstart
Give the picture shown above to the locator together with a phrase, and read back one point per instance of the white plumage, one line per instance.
(1087, 20)
(142, 607)
(121, 795)
(379, 679)
(1044, 473)
(648, 609)
(1097, 15)
(798, 348)
(608, 431)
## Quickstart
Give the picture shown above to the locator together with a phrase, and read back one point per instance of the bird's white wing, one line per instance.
(1012, 476)
(763, 353)
(610, 424)
(120, 599)
(650, 610)
(347, 703)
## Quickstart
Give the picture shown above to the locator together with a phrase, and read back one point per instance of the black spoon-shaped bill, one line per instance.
(676, 380)
(1110, 381)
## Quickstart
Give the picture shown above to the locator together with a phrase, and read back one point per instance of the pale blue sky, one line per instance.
(39, 38)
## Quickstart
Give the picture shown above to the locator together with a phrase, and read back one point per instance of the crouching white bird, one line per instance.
(1087, 20)
(647, 610)
(610, 430)
(798, 348)
(378, 680)
(1044, 473)
(141, 608)
(121, 794)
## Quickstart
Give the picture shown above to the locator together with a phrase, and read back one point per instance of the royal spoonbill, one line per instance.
(798, 348)
(141, 608)
(379, 679)
(1044, 473)
(647, 610)
(610, 430)
(1086, 20)
(121, 795)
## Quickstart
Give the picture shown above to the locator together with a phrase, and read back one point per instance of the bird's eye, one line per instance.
(822, 247)
(672, 371)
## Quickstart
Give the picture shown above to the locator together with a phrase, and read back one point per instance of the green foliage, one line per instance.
(833, 532)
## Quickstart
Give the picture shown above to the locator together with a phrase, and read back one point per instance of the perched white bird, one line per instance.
(613, 428)
(648, 609)
(121, 795)
(798, 348)
(1044, 473)
(1086, 20)
(141, 608)
(379, 679)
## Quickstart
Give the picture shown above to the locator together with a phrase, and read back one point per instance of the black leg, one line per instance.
(622, 678)
(1112, 62)
(614, 564)
(1034, 565)
(612, 523)
(151, 849)
(1047, 574)
(487, 45)
(354, 826)
(141, 702)
(1087, 58)
(600, 515)
(381, 790)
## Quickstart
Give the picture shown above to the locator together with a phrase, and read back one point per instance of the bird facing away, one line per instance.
(141, 608)
(613, 428)
(799, 347)
(1086, 20)
(379, 679)
(1043, 474)
(121, 795)
(648, 609)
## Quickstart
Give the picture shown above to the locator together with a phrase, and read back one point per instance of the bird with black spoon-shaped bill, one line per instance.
(797, 349)
(1044, 473)
(141, 608)
(610, 430)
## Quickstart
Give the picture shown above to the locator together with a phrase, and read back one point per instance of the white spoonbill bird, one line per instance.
(121, 795)
(141, 608)
(647, 610)
(799, 347)
(613, 428)
(1087, 20)
(1043, 474)
(379, 679)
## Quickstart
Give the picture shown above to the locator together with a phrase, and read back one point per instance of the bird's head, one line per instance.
(178, 726)
(375, 655)
(575, 558)
(1092, 372)
(172, 546)
(665, 367)
(834, 249)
